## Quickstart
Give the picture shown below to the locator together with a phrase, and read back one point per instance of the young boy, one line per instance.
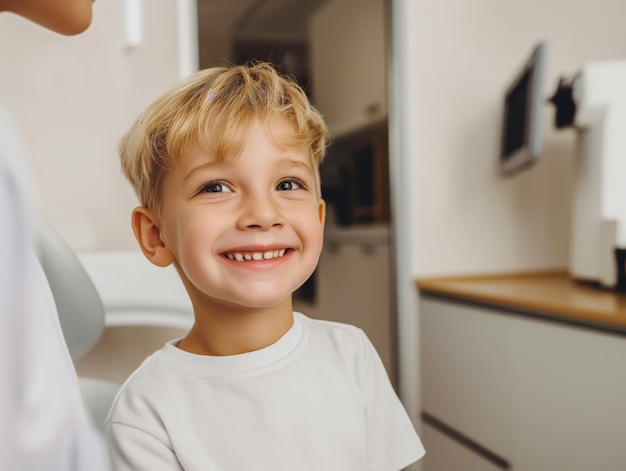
(226, 168)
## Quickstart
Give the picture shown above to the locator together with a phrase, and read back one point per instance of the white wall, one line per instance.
(469, 219)
(74, 97)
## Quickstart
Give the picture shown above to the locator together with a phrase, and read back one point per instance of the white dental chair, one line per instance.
(80, 310)
(145, 306)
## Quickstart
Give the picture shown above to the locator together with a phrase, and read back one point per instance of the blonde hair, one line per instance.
(214, 109)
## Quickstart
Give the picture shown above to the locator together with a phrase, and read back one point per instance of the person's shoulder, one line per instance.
(330, 327)
(12, 154)
(345, 337)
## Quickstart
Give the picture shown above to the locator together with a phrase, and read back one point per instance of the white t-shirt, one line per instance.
(317, 399)
(43, 425)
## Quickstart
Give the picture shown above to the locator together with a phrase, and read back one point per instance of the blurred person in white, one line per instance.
(43, 424)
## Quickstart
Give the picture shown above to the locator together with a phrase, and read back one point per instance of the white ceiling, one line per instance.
(258, 19)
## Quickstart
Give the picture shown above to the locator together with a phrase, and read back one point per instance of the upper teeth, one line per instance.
(240, 257)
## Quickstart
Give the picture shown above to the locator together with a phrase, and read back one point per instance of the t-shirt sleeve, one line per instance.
(393, 443)
(132, 449)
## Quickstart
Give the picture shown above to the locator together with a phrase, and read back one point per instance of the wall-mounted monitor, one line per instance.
(524, 99)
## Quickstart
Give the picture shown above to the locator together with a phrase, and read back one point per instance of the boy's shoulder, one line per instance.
(332, 329)
(328, 325)
(336, 338)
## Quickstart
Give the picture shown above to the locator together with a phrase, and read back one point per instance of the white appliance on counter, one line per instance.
(598, 243)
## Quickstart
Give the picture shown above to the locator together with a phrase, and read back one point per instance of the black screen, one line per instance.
(516, 117)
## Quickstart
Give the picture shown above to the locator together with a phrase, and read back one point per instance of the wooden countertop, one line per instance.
(553, 294)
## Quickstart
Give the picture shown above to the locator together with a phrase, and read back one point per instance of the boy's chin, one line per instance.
(264, 301)
(265, 296)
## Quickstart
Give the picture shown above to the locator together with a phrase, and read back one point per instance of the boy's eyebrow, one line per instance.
(300, 164)
(213, 163)
(198, 168)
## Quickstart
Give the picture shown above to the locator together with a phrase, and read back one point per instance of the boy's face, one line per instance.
(245, 232)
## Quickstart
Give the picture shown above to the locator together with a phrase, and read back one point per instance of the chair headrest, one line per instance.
(78, 304)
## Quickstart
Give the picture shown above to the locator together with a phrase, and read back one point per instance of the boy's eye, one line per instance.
(215, 187)
(288, 185)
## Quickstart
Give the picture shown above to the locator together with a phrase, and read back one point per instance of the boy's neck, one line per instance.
(229, 331)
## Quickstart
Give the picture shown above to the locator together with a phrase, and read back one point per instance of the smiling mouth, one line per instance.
(256, 256)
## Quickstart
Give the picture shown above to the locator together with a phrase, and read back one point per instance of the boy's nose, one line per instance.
(260, 212)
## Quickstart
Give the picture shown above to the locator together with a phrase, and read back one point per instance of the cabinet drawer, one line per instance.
(569, 397)
(466, 371)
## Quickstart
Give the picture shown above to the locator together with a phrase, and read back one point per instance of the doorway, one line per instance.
(339, 58)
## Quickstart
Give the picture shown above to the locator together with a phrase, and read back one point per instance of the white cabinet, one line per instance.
(445, 454)
(569, 398)
(542, 395)
(347, 44)
(466, 369)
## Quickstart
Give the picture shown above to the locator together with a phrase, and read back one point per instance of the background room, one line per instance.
(412, 92)
(343, 70)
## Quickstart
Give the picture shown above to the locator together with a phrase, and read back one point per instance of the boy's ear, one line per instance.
(322, 211)
(148, 235)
